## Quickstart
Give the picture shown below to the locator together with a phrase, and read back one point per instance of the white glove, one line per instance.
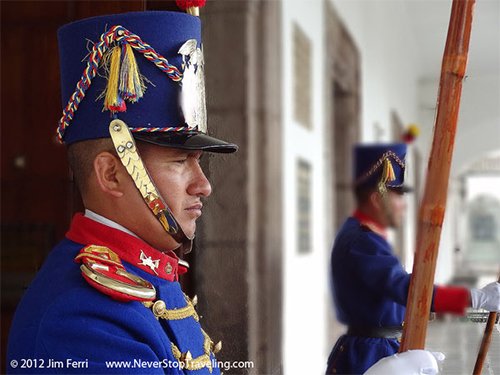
(412, 362)
(487, 298)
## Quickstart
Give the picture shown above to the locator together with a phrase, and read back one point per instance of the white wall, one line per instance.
(305, 282)
(390, 61)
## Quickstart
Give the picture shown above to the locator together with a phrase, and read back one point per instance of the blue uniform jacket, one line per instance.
(64, 325)
(370, 289)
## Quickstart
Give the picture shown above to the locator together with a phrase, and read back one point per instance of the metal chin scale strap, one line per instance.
(388, 175)
(126, 149)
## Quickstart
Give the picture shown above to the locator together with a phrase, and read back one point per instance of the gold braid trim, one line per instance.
(190, 363)
(207, 343)
(175, 351)
(204, 360)
(377, 165)
(186, 359)
(160, 311)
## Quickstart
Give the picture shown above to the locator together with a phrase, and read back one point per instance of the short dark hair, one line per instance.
(81, 157)
(362, 193)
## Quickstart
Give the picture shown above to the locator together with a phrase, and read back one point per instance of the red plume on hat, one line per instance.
(411, 133)
(191, 6)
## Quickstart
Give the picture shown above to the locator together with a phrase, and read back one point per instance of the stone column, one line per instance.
(238, 275)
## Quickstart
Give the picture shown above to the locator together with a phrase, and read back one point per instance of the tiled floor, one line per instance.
(459, 340)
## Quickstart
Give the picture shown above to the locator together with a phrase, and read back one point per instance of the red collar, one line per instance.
(371, 223)
(128, 248)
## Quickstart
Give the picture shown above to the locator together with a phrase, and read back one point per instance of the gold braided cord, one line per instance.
(161, 312)
(379, 162)
(197, 363)
(207, 343)
(178, 314)
(175, 351)
(187, 362)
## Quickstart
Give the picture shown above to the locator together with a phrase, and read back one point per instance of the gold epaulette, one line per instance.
(103, 270)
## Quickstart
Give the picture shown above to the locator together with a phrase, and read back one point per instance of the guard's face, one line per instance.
(397, 208)
(180, 180)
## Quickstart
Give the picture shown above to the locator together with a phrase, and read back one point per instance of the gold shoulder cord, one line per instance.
(127, 151)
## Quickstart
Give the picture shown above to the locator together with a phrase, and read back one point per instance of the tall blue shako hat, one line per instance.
(136, 76)
(380, 165)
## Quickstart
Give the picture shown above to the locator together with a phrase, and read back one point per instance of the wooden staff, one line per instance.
(432, 208)
(485, 343)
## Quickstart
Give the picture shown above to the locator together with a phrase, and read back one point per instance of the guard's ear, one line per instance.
(109, 171)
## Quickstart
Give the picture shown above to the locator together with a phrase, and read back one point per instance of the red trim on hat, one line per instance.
(451, 299)
(371, 223)
(128, 248)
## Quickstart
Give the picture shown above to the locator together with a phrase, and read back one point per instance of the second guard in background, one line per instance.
(369, 285)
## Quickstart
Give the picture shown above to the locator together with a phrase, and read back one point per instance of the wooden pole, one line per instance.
(485, 343)
(432, 208)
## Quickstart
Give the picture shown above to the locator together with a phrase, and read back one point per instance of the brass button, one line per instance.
(159, 308)
(168, 268)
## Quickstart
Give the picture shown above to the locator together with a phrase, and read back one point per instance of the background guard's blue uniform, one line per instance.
(370, 289)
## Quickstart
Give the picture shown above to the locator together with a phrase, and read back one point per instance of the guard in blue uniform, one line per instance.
(107, 299)
(369, 285)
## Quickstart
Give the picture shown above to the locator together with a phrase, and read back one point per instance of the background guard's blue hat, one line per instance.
(135, 66)
(376, 163)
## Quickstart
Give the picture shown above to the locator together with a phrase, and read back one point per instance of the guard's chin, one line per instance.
(189, 229)
(394, 224)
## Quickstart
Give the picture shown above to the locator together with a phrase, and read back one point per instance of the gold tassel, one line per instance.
(388, 174)
(112, 101)
(132, 85)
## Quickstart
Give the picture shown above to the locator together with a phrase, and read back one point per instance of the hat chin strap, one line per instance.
(388, 175)
(129, 155)
(382, 189)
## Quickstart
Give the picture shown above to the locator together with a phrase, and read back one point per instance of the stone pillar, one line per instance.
(238, 273)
